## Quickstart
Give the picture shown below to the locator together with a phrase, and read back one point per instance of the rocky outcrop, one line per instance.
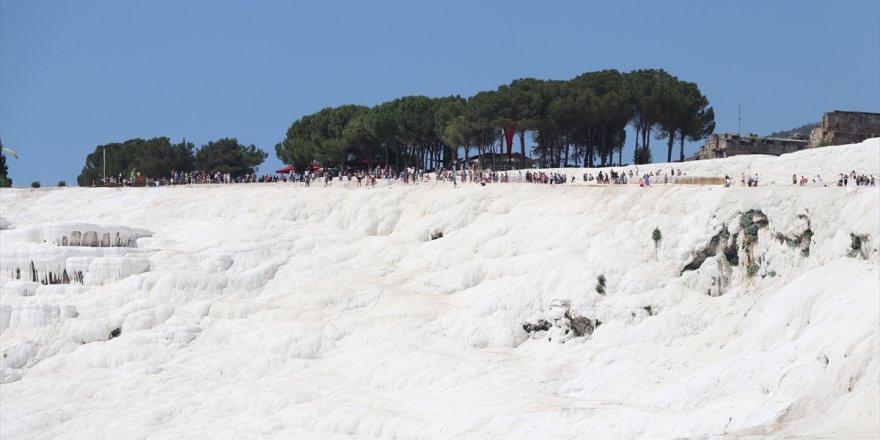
(561, 324)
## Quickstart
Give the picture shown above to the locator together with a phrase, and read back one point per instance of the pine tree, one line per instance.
(5, 181)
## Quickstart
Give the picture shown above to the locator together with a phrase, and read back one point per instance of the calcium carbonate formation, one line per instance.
(427, 311)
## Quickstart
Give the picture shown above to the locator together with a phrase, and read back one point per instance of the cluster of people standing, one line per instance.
(458, 174)
(859, 179)
(414, 175)
(546, 178)
(185, 178)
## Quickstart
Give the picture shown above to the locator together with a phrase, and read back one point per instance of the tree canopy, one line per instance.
(323, 137)
(5, 181)
(228, 156)
(578, 122)
(157, 157)
(154, 157)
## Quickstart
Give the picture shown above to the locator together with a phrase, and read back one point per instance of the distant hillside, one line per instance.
(802, 130)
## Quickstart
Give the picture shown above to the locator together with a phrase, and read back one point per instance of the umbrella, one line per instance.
(285, 170)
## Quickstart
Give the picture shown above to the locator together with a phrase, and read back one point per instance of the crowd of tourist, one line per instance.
(546, 178)
(844, 179)
(859, 179)
(456, 175)
(188, 178)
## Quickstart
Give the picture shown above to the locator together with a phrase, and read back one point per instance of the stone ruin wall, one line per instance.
(839, 128)
(727, 144)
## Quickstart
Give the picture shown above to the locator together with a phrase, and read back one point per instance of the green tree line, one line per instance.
(5, 181)
(157, 157)
(578, 122)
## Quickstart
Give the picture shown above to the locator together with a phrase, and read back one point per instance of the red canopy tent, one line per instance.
(285, 170)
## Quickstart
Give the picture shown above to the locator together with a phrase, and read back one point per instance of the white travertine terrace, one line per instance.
(278, 311)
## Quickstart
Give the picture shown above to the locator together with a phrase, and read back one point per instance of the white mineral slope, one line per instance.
(290, 312)
(774, 170)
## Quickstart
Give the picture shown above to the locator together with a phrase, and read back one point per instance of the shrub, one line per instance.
(35, 184)
(642, 155)
(855, 246)
(62, 183)
(750, 222)
(753, 269)
(600, 286)
(749, 227)
(856, 242)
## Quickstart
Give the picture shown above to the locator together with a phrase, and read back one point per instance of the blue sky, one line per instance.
(75, 75)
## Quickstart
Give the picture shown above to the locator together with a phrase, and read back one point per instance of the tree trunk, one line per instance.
(509, 152)
(542, 143)
(594, 147)
(558, 152)
(681, 151)
(639, 135)
(567, 149)
(588, 156)
(522, 149)
(669, 146)
(495, 155)
(604, 145)
(557, 161)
